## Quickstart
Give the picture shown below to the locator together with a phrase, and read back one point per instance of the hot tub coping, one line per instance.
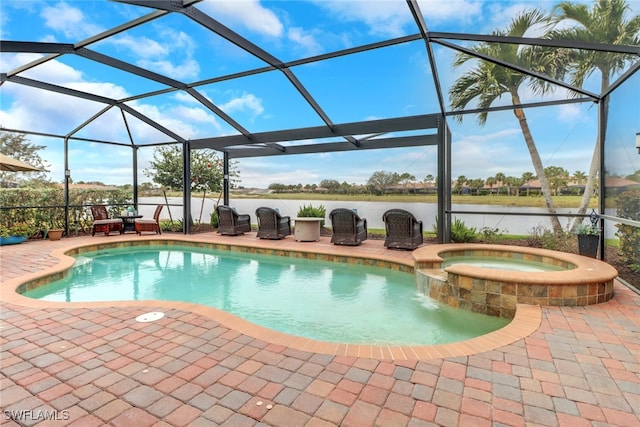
(585, 269)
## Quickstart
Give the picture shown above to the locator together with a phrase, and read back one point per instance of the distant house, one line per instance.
(619, 185)
(611, 183)
(414, 188)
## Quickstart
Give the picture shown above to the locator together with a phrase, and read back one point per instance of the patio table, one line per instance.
(307, 229)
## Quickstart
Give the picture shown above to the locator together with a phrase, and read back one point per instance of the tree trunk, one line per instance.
(537, 164)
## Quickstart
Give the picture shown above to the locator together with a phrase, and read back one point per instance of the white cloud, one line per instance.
(188, 69)
(170, 55)
(460, 10)
(305, 40)
(382, 17)
(69, 21)
(246, 103)
(569, 112)
(484, 155)
(248, 13)
(142, 47)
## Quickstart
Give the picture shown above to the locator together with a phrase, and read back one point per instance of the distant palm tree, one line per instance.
(460, 183)
(488, 82)
(500, 177)
(579, 177)
(606, 21)
(490, 182)
(527, 177)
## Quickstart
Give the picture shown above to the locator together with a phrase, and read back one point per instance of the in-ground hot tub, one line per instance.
(487, 278)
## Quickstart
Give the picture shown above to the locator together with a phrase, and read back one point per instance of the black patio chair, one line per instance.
(402, 229)
(348, 227)
(232, 223)
(271, 225)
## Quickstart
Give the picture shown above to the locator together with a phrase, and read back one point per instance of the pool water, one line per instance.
(328, 301)
(502, 263)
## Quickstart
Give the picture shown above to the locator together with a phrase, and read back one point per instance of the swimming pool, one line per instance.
(322, 300)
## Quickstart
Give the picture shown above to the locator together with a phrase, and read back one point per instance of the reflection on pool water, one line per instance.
(502, 263)
(328, 301)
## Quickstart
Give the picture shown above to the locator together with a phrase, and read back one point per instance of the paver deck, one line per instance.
(94, 364)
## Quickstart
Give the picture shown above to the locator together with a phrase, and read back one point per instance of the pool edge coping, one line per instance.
(527, 318)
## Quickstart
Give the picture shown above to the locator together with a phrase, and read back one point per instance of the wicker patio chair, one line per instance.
(403, 230)
(102, 222)
(149, 225)
(232, 223)
(271, 225)
(348, 227)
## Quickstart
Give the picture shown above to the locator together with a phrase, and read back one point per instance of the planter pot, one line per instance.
(588, 245)
(55, 234)
(12, 240)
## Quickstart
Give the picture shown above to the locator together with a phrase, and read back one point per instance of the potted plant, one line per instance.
(16, 233)
(55, 233)
(51, 230)
(313, 212)
(588, 239)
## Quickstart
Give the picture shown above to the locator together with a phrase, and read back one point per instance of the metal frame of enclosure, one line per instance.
(430, 129)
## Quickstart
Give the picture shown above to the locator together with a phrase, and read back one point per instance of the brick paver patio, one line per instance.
(95, 365)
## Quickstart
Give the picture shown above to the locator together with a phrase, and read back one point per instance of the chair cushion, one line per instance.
(107, 221)
(145, 221)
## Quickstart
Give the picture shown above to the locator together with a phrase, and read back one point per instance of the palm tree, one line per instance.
(527, 177)
(605, 22)
(491, 181)
(460, 182)
(500, 177)
(488, 82)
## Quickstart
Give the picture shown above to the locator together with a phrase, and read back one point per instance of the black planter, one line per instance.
(588, 245)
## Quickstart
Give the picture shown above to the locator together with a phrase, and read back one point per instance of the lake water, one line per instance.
(373, 211)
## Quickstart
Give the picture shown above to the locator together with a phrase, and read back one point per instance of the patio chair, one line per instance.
(232, 223)
(403, 230)
(149, 225)
(271, 225)
(348, 227)
(102, 222)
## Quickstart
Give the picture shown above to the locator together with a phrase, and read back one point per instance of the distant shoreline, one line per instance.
(496, 200)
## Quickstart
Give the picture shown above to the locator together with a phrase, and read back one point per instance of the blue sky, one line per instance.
(378, 84)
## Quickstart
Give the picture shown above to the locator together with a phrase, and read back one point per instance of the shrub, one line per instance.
(491, 235)
(460, 233)
(540, 237)
(628, 206)
(21, 229)
(175, 226)
(534, 238)
(313, 212)
(558, 241)
(43, 208)
(215, 220)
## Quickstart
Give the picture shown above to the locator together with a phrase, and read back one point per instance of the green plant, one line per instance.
(491, 235)
(534, 238)
(215, 220)
(21, 229)
(313, 212)
(587, 230)
(175, 226)
(460, 233)
(561, 241)
(628, 206)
